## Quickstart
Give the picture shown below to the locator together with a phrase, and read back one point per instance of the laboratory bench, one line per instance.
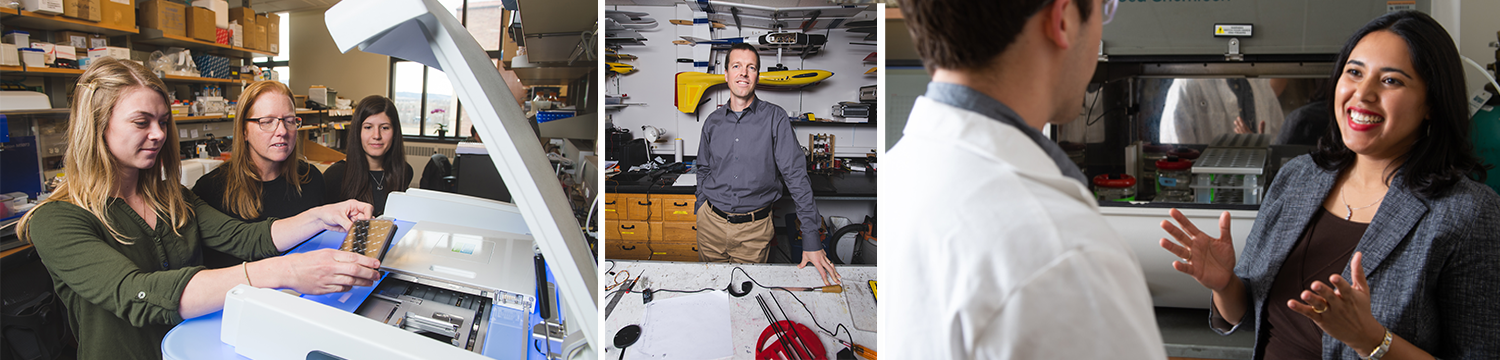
(647, 218)
(726, 326)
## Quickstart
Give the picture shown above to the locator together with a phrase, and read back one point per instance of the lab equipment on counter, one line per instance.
(1174, 179)
(1114, 187)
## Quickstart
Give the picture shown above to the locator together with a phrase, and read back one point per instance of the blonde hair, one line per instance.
(242, 182)
(90, 165)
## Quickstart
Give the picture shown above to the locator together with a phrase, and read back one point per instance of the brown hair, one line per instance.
(242, 188)
(91, 167)
(966, 35)
(393, 161)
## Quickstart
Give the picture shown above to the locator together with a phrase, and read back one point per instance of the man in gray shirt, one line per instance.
(747, 149)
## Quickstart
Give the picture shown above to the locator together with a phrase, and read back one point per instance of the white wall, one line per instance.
(316, 60)
(654, 81)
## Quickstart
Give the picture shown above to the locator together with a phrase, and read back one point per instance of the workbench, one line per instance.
(747, 321)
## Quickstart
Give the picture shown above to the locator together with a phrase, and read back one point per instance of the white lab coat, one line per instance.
(989, 252)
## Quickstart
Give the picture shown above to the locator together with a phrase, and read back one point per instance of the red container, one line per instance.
(221, 36)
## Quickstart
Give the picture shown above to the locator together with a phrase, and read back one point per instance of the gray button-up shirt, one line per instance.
(743, 160)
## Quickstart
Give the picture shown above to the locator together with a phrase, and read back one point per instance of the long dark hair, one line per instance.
(357, 170)
(1443, 156)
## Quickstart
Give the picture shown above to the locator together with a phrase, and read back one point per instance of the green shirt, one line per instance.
(122, 299)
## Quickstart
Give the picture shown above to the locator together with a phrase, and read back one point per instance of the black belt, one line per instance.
(741, 219)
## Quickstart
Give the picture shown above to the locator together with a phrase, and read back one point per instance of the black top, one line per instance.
(335, 186)
(277, 200)
(1325, 249)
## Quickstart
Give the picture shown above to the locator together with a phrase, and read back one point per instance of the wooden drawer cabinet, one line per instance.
(626, 250)
(674, 252)
(640, 207)
(611, 230)
(632, 230)
(676, 207)
(613, 208)
(677, 232)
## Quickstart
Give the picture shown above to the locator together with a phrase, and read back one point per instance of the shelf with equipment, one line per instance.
(46, 71)
(157, 37)
(31, 20)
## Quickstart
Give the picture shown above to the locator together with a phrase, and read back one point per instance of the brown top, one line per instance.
(1323, 250)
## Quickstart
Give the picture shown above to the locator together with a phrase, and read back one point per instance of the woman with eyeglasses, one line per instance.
(265, 176)
(121, 238)
(377, 166)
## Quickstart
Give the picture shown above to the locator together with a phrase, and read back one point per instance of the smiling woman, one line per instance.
(265, 177)
(377, 166)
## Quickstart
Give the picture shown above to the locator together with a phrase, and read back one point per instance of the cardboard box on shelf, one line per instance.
(221, 36)
(169, 17)
(118, 13)
(244, 15)
(200, 23)
(255, 37)
(65, 52)
(96, 41)
(236, 34)
(69, 37)
(273, 32)
(50, 7)
(110, 51)
(82, 9)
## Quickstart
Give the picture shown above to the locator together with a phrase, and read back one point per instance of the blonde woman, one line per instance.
(264, 178)
(122, 239)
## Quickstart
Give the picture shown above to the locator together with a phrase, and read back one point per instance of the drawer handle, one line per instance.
(695, 249)
(648, 203)
(627, 227)
(622, 247)
(609, 203)
(695, 227)
(674, 203)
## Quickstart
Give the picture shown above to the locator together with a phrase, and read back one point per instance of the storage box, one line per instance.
(244, 15)
(212, 66)
(265, 26)
(10, 55)
(72, 38)
(50, 7)
(255, 36)
(97, 41)
(236, 34)
(220, 8)
(47, 52)
(169, 17)
(273, 32)
(118, 13)
(221, 36)
(82, 9)
(200, 23)
(65, 52)
(110, 51)
(34, 57)
(18, 38)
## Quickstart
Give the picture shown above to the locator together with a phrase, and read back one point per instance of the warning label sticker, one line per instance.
(1232, 29)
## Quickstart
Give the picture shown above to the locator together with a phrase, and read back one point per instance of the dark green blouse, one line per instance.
(122, 299)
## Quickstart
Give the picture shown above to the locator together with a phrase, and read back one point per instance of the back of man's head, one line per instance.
(966, 34)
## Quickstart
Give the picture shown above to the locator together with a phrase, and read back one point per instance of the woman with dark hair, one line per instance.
(377, 166)
(1388, 193)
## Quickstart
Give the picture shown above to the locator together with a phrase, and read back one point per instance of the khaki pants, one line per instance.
(720, 241)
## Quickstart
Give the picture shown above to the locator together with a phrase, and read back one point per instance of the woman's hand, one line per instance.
(340, 216)
(1343, 310)
(317, 272)
(1208, 260)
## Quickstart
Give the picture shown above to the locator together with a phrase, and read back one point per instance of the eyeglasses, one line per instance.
(269, 123)
(1109, 10)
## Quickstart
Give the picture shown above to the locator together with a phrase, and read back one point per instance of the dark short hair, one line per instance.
(1443, 154)
(965, 34)
(746, 47)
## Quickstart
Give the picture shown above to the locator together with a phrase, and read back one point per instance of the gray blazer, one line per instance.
(1433, 265)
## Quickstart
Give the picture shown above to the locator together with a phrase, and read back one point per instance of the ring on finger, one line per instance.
(1320, 311)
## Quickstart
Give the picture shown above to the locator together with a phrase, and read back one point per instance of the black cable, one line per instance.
(611, 269)
(685, 291)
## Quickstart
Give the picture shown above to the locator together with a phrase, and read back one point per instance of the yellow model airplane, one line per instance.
(691, 84)
(619, 68)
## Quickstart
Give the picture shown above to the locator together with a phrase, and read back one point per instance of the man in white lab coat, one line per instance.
(1000, 252)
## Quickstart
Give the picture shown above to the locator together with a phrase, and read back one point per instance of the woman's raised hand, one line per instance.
(1208, 260)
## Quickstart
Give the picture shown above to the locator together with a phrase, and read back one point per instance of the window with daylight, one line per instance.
(424, 97)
